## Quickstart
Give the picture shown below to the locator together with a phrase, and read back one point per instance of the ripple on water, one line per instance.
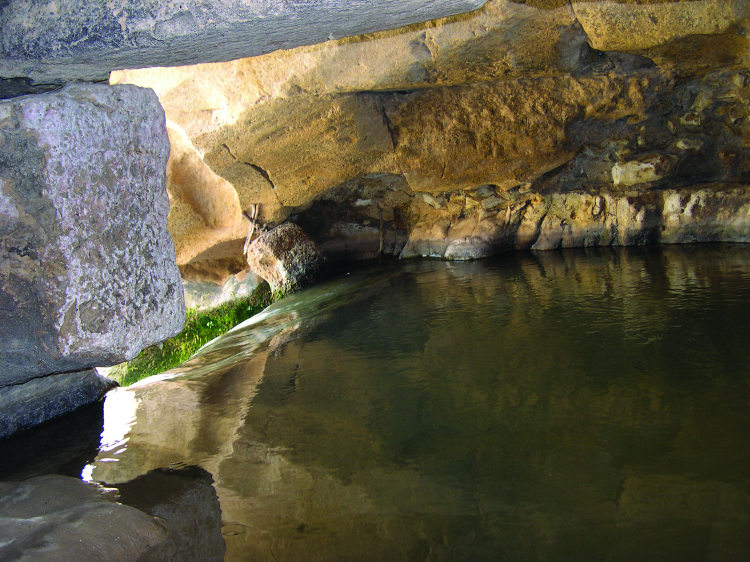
(555, 405)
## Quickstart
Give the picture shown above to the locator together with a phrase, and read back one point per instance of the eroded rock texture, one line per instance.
(540, 104)
(87, 272)
(286, 257)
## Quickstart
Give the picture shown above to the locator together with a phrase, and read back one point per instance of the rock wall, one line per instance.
(52, 42)
(543, 104)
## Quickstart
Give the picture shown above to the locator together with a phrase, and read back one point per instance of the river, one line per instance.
(576, 405)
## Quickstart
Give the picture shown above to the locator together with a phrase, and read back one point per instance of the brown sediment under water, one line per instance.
(574, 405)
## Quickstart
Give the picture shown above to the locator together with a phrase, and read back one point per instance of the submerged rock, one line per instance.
(61, 518)
(286, 257)
(185, 500)
(41, 399)
(87, 267)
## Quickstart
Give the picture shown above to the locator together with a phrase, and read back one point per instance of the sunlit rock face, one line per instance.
(87, 268)
(544, 99)
(87, 275)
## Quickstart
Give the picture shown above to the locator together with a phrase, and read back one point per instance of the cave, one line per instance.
(483, 267)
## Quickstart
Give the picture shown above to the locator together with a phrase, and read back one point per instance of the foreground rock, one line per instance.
(41, 399)
(188, 507)
(286, 257)
(87, 267)
(61, 518)
(86, 39)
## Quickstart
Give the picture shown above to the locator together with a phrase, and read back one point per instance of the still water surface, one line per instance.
(549, 406)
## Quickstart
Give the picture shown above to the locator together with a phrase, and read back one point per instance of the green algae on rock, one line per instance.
(200, 328)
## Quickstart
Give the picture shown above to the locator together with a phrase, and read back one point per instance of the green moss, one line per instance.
(200, 328)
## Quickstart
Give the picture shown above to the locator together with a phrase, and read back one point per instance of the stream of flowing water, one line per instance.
(577, 405)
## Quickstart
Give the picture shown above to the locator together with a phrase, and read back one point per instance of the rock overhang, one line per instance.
(54, 41)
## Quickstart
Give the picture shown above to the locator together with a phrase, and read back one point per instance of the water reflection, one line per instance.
(556, 405)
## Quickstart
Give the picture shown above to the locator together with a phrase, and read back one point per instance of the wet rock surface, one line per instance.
(203, 295)
(88, 272)
(61, 518)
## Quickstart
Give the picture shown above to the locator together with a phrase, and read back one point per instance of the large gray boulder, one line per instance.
(87, 267)
(61, 40)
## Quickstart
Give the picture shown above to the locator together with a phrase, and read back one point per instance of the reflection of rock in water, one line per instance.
(533, 407)
(187, 503)
(63, 446)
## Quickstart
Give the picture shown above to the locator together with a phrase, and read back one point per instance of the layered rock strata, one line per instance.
(385, 217)
(598, 99)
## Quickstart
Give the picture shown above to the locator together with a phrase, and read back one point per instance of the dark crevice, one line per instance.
(255, 167)
(388, 124)
(262, 172)
(15, 87)
(44, 376)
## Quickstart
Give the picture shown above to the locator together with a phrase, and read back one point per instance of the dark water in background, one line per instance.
(551, 406)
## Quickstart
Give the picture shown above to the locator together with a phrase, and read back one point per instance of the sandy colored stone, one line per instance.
(615, 26)
(204, 208)
(505, 133)
(305, 145)
(500, 41)
(650, 168)
(545, 96)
